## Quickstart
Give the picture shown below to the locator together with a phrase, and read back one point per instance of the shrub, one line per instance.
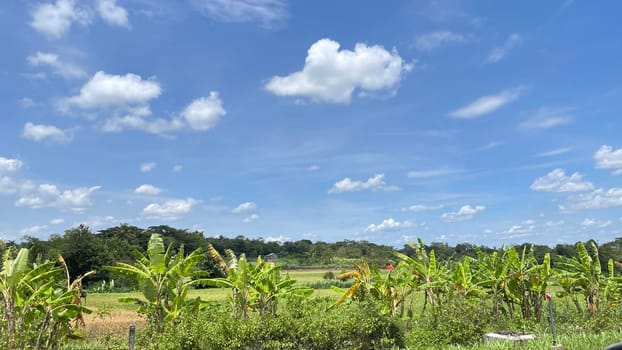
(300, 325)
(458, 321)
(329, 275)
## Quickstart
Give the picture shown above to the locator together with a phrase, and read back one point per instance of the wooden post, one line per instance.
(132, 336)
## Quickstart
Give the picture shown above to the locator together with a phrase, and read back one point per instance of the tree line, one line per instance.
(85, 250)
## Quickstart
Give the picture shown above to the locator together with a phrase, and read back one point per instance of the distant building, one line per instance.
(271, 257)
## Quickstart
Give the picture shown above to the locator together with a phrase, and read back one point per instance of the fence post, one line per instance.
(132, 336)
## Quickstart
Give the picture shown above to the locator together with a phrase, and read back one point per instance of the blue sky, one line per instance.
(486, 122)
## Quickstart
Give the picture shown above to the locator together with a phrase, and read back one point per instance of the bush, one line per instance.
(329, 275)
(300, 325)
(457, 322)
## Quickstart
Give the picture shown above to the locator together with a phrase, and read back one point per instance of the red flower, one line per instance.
(548, 296)
(390, 267)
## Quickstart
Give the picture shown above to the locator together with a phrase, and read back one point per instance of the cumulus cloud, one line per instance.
(40, 132)
(244, 208)
(597, 199)
(558, 181)
(8, 165)
(279, 239)
(109, 90)
(487, 104)
(466, 212)
(388, 224)
(170, 209)
(57, 221)
(266, 12)
(50, 196)
(204, 113)
(112, 13)
(332, 75)
(420, 207)
(147, 167)
(608, 158)
(498, 53)
(250, 218)
(313, 167)
(434, 40)
(66, 70)
(177, 168)
(54, 19)
(548, 117)
(374, 183)
(147, 190)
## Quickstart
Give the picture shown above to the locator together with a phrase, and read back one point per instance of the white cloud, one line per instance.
(313, 168)
(201, 114)
(33, 230)
(557, 181)
(374, 183)
(595, 223)
(108, 90)
(57, 221)
(487, 104)
(466, 212)
(279, 239)
(389, 224)
(205, 112)
(554, 223)
(244, 208)
(177, 168)
(420, 174)
(554, 152)
(99, 221)
(8, 185)
(27, 102)
(112, 13)
(251, 218)
(607, 158)
(420, 207)
(40, 132)
(499, 52)
(147, 190)
(54, 19)
(171, 209)
(49, 196)
(597, 199)
(147, 167)
(66, 70)
(433, 40)
(267, 12)
(8, 165)
(548, 117)
(332, 75)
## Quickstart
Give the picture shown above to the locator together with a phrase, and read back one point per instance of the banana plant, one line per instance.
(254, 287)
(429, 274)
(38, 304)
(582, 274)
(164, 279)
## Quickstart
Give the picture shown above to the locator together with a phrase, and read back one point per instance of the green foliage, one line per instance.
(458, 321)
(254, 287)
(38, 303)
(329, 275)
(164, 279)
(301, 325)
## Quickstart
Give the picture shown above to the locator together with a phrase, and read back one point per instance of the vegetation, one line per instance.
(419, 300)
